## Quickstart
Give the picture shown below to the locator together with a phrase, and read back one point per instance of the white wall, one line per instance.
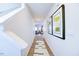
(69, 46)
(21, 24)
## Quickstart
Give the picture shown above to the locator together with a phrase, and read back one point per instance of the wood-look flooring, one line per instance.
(39, 38)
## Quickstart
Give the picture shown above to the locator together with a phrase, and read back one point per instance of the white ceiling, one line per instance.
(40, 10)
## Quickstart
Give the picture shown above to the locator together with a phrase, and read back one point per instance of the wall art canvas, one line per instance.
(49, 25)
(59, 22)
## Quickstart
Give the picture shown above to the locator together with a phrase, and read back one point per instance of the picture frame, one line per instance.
(58, 23)
(49, 25)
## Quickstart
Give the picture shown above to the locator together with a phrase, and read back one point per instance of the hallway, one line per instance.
(22, 23)
(40, 47)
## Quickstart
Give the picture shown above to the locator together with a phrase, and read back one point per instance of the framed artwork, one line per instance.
(58, 22)
(49, 25)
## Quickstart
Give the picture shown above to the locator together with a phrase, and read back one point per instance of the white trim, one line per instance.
(5, 17)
